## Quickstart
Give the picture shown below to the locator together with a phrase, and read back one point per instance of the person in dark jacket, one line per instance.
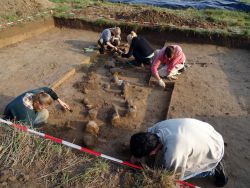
(31, 107)
(140, 48)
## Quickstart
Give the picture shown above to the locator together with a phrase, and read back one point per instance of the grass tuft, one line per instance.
(54, 165)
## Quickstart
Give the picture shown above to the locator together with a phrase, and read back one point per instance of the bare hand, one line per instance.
(63, 104)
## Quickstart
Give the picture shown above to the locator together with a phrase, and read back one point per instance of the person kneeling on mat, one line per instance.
(190, 148)
(31, 107)
(140, 48)
(173, 59)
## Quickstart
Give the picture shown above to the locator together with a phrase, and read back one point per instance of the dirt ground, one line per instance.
(215, 89)
(40, 61)
(143, 14)
(119, 110)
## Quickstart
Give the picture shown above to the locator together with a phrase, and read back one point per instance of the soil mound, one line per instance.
(154, 16)
(146, 15)
(20, 8)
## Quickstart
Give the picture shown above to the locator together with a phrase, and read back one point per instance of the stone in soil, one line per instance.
(125, 89)
(89, 140)
(109, 64)
(92, 128)
(116, 70)
(116, 120)
(93, 114)
(117, 81)
(85, 101)
(131, 112)
(106, 86)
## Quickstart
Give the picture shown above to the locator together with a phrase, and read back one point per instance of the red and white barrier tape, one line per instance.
(179, 183)
(60, 141)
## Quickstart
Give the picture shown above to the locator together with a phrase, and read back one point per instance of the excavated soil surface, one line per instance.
(214, 89)
(117, 98)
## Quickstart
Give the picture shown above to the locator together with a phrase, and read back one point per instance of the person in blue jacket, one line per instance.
(31, 107)
(109, 38)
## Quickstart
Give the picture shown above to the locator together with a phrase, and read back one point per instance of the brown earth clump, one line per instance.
(22, 8)
(141, 15)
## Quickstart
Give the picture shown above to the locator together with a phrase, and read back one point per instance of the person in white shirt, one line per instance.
(191, 148)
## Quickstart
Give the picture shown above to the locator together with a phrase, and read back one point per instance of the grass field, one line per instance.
(228, 22)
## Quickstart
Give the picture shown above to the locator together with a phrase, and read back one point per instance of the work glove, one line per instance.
(161, 83)
(173, 75)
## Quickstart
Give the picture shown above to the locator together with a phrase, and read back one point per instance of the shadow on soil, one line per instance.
(237, 142)
(101, 92)
(4, 100)
(79, 45)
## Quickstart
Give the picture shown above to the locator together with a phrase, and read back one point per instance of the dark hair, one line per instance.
(141, 144)
(169, 51)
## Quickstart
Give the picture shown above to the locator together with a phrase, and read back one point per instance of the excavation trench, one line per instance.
(213, 89)
(111, 101)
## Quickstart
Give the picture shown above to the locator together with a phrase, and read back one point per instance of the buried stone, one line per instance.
(116, 70)
(117, 80)
(90, 134)
(131, 113)
(89, 140)
(125, 89)
(115, 121)
(93, 113)
(85, 101)
(92, 128)
(106, 86)
(109, 64)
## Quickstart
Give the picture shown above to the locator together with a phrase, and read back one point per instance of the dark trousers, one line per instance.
(139, 58)
(102, 46)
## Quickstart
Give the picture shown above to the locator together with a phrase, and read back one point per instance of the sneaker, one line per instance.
(220, 175)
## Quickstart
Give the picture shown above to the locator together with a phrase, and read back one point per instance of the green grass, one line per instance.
(11, 18)
(246, 1)
(225, 22)
(63, 8)
(82, 2)
(55, 165)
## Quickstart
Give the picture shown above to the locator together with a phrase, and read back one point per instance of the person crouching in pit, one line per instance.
(31, 107)
(190, 148)
(173, 60)
(140, 48)
(109, 38)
